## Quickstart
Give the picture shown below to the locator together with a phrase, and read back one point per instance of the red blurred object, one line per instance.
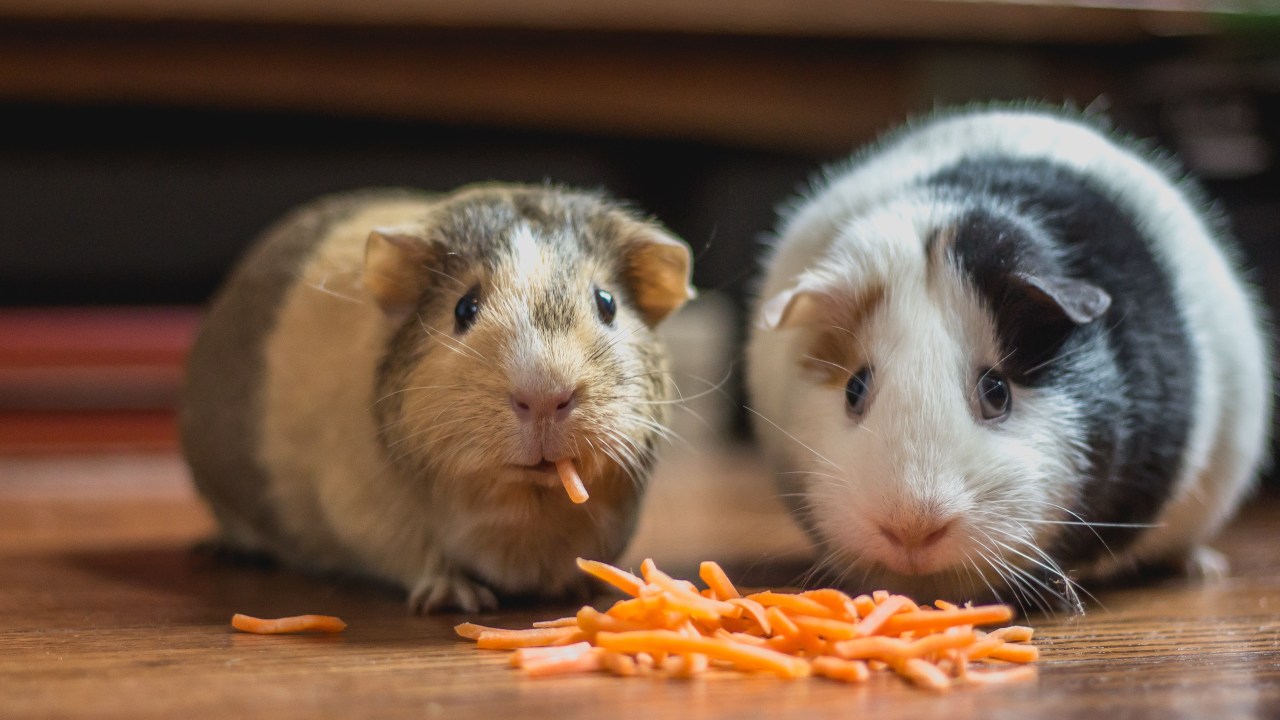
(91, 379)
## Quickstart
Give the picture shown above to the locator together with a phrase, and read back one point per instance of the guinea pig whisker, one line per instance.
(1088, 525)
(837, 366)
(1018, 580)
(451, 342)
(712, 387)
(855, 337)
(612, 343)
(322, 287)
(1071, 590)
(1083, 523)
(421, 429)
(983, 576)
(393, 393)
(793, 437)
(1068, 594)
(457, 282)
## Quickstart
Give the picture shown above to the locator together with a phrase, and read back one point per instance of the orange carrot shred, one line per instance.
(572, 481)
(782, 625)
(621, 579)
(999, 677)
(671, 627)
(717, 581)
(1015, 653)
(792, 603)
(285, 625)
(837, 669)
(886, 608)
(940, 619)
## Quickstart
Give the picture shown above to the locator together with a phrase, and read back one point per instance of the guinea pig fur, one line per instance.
(384, 383)
(1002, 351)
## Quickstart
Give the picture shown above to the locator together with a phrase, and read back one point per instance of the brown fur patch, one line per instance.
(834, 352)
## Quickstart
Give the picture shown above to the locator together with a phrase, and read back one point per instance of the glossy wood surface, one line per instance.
(106, 612)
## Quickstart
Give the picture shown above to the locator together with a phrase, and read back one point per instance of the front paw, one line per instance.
(437, 591)
(1206, 564)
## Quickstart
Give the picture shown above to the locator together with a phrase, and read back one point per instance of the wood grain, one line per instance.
(105, 613)
(1064, 20)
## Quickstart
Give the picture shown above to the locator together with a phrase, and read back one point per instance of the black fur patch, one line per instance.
(1131, 370)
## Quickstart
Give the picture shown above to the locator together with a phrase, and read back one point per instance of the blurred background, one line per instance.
(145, 142)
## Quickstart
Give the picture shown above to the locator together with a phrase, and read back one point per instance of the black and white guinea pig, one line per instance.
(1002, 351)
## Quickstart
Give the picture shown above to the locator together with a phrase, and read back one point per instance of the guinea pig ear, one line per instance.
(395, 261)
(1076, 300)
(657, 267)
(793, 307)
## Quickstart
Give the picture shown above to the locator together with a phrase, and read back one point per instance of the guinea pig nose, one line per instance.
(915, 537)
(531, 406)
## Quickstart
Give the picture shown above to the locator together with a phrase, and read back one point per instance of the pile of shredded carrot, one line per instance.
(670, 626)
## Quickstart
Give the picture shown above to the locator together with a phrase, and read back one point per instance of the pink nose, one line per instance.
(915, 536)
(535, 406)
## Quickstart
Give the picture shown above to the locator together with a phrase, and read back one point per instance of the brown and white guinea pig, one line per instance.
(385, 382)
(1002, 351)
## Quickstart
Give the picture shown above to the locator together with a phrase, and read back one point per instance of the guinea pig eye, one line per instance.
(856, 392)
(466, 310)
(606, 306)
(994, 397)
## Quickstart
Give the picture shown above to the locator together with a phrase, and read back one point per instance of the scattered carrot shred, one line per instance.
(572, 481)
(672, 627)
(292, 624)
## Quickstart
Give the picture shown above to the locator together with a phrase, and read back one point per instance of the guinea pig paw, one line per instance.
(435, 592)
(1207, 565)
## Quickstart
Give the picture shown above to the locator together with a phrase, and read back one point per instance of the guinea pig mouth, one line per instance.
(545, 466)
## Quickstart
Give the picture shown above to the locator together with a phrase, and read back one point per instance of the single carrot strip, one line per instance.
(742, 638)
(824, 627)
(837, 669)
(512, 639)
(944, 605)
(923, 674)
(739, 655)
(982, 648)
(645, 662)
(632, 609)
(292, 624)
(471, 631)
(696, 606)
(619, 663)
(621, 579)
(756, 612)
(684, 597)
(533, 654)
(836, 601)
(872, 624)
(793, 603)
(875, 647)
(939, 642)
(865, 605)
(591, 621)
(558, 622)
(1013, 633)
(1015, 653)
(586, 661)
(717, 581)
(782, 624)
(572, 481)
(931, 620)
(1000, 677)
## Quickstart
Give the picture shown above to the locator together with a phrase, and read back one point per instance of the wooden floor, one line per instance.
(105, 612)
